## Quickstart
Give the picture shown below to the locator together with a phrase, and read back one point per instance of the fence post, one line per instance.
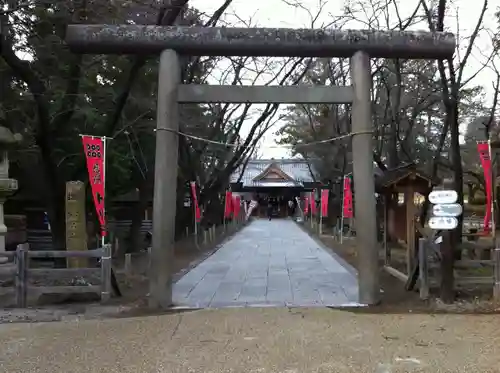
(423, 269)
(106, 273)
(116, 245)
(128, 264)
(496, 289)
(149, 260)
(21, 274)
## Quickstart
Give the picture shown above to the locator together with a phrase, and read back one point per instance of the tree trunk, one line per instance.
(456, 161)
(214, 209)
(393, 147)
(449, 249)
(471, 193)
(184, 216)
(145, 188)
(447, 291)
(135, 237)
(57, 219)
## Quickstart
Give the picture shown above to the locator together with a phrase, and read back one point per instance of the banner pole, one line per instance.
(195, 225)
(103, 237)
(492, 192)
(342, 209)
(321, 213)
(311, 201)
(486, 162)
(224, 212)
(194, 205)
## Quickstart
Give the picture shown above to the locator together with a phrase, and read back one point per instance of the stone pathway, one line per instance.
(268, 263)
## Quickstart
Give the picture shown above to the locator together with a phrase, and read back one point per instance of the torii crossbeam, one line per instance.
(272, 42)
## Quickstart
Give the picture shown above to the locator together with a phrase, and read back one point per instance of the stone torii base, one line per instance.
(170, 42)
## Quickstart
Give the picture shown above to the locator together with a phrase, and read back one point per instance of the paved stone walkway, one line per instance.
(268, 263)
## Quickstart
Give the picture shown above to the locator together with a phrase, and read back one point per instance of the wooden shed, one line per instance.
(400, 219)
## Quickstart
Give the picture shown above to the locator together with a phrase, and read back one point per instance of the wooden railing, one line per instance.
(22, 272)
(41, 239)
(429, 263)
(146, 225)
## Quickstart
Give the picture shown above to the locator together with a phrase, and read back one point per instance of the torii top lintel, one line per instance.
(272, 42)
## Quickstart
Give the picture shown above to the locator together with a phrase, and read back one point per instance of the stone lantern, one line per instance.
(7, 186)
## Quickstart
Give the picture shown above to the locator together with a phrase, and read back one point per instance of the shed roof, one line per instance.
(401, 174)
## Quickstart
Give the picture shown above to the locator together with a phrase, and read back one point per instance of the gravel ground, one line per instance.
(62, 313)
(256, 340)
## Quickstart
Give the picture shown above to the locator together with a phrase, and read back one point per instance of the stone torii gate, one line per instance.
(170, 42)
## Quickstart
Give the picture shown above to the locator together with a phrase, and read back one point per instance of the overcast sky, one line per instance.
(276, 13)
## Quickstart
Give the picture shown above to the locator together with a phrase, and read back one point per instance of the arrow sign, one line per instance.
(443, 196)
(441, 222)
(450, 209)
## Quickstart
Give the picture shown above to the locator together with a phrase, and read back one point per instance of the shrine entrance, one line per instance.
(279, 181)
(171, 42)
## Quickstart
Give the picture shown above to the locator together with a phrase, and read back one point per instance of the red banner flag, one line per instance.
(197, 211)
(313, 203)
(236, 206)
(347, 200)
(324, 202)
(228, 206)
(94, 152)
(484, 155)
(306, 205)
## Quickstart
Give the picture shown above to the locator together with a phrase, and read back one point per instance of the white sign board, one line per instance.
(252, 206)
(449, 209)
(443, 196)
(441, 222)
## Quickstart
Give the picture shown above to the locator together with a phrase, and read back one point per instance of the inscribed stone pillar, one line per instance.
(7, 186)
(76, 229)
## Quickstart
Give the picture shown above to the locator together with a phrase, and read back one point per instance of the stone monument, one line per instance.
(7, 186)
(76, 228)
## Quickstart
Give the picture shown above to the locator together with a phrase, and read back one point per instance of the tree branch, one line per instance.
(166, 17)
(68, 102)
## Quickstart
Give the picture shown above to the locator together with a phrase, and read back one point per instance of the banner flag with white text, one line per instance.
(95, 153)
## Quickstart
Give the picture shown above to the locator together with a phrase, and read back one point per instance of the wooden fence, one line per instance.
(41, 239)
(429, 263)
(121, 227)
(22, 272)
